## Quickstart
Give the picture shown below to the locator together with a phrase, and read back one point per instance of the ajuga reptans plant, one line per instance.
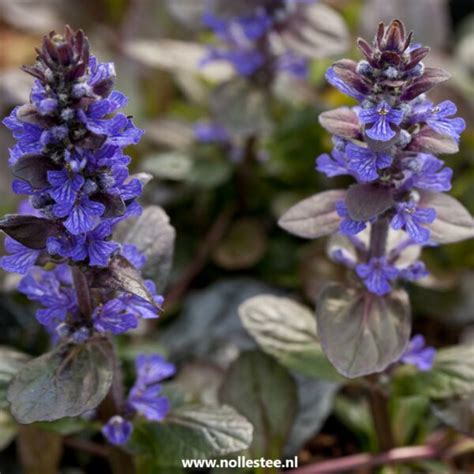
(69, 161)
(265, 42)
(245, 32)
(388, 144)
(90, 257)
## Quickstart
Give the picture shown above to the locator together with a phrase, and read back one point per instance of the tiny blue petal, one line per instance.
(117, 430)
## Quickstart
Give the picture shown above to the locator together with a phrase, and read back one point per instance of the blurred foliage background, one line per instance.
(224, 208)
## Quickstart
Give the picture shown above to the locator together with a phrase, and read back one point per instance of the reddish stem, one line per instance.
(359, 461)
(83, 292)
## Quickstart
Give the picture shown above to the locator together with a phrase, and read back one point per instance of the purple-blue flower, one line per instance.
(333, 164)
(239, 29)
(65, 186)
(26, 134)
(96, 246)
(148, 402)
(133, 255)
(117, 430)
(339, 255)
(210, 132)
(82, 216)
(365, 162)
(379, 120)
(244, 39)
(245, 60)
(418, 354)
(348, 226)
(144, 398)
(20, 258)
(377, 275)
(428, 172)
(438, 119)
(113, 318)
(153, 368)
(412, 219)
(414, 272)
(293, 64)
(142, 308)
(72, 129)
(53, 290)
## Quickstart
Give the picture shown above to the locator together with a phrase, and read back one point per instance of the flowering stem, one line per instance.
(377, 400)
(378, 238)
(114, 401)
(120, 461)
(379, 409)
(83, 292)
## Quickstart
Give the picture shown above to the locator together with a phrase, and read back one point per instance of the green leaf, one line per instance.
(355, 414)
(457, 413)
(68, 426)
(197, 382)
(408, 413)
(265, 393)
(209, 323)
(315, 404)
(10, 362)
(287, 330)
(452, 373)
(8, 429)
(191, 432)
(210, 173)
(362, 333)
(174, 166)
(67, 381)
